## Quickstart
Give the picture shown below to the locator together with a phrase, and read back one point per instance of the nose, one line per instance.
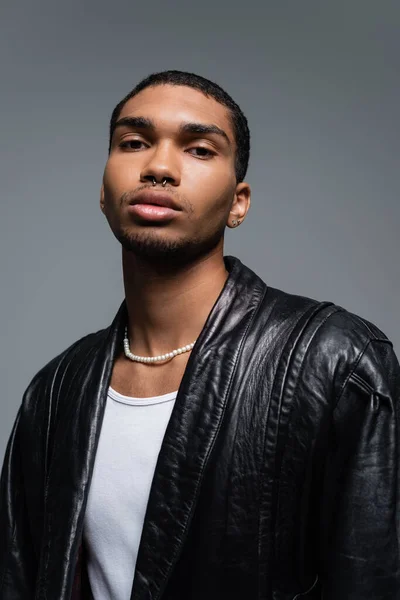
(163, 164)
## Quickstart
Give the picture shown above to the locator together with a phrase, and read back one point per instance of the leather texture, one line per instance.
(277, 478)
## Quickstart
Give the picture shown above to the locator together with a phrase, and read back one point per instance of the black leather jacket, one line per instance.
(278, 477)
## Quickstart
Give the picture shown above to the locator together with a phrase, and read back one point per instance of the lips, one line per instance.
(155, 198)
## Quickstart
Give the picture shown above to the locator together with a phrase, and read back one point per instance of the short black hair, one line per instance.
(239, 121)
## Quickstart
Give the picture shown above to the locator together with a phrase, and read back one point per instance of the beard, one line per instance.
(156, 250)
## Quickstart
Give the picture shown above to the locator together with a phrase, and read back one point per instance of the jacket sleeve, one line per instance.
(17, 559)
(361, 505)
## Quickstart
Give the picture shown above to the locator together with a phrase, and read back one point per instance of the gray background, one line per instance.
(319, 82)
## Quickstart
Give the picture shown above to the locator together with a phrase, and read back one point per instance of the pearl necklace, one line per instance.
(153, 359)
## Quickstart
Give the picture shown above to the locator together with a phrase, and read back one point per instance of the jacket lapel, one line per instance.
(192, 430)
(79, 390)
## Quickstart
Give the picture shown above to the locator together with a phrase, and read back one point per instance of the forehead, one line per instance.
(171, 105)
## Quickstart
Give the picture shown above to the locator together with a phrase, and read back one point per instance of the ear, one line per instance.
(102, 198)
(240, 205)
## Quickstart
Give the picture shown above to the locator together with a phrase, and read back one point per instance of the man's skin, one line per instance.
(173, 270)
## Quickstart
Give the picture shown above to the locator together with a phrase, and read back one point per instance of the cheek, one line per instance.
(218, 190)
(119, 176)
(214, 206)
(216, 181)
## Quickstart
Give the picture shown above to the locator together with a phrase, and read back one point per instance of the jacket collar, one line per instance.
(187, 445)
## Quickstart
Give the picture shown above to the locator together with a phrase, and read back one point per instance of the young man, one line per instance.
(222, 439)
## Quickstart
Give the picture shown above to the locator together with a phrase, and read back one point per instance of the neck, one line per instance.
(168, 310)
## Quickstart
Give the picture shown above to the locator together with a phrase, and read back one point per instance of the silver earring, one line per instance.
(235, 222)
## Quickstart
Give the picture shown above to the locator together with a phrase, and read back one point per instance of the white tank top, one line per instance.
(130, 440)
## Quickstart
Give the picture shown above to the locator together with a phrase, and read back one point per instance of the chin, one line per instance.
(156, 248)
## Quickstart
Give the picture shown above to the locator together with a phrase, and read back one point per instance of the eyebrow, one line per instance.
(144, 123)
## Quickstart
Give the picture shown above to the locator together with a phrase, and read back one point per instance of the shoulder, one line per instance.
(324, 346)
(336, 322)
(344, 333)
(332, 324)
(332, 345)
(326, 334)
(346, 347)
(325, 323)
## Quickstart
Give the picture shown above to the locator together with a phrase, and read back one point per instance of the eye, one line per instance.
(132, 144)
(201, 152)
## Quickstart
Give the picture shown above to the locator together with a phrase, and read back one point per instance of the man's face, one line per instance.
(164, 133)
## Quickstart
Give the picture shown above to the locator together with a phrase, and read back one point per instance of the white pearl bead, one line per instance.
(152, 359)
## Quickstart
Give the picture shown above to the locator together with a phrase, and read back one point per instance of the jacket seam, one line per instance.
(364, 385)
(315, 310)
(82, 363)
(279, 474)
(49, 411)
(353, 375)
(374, 336)
(350, 375)
(301, 368)
(310, 589)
